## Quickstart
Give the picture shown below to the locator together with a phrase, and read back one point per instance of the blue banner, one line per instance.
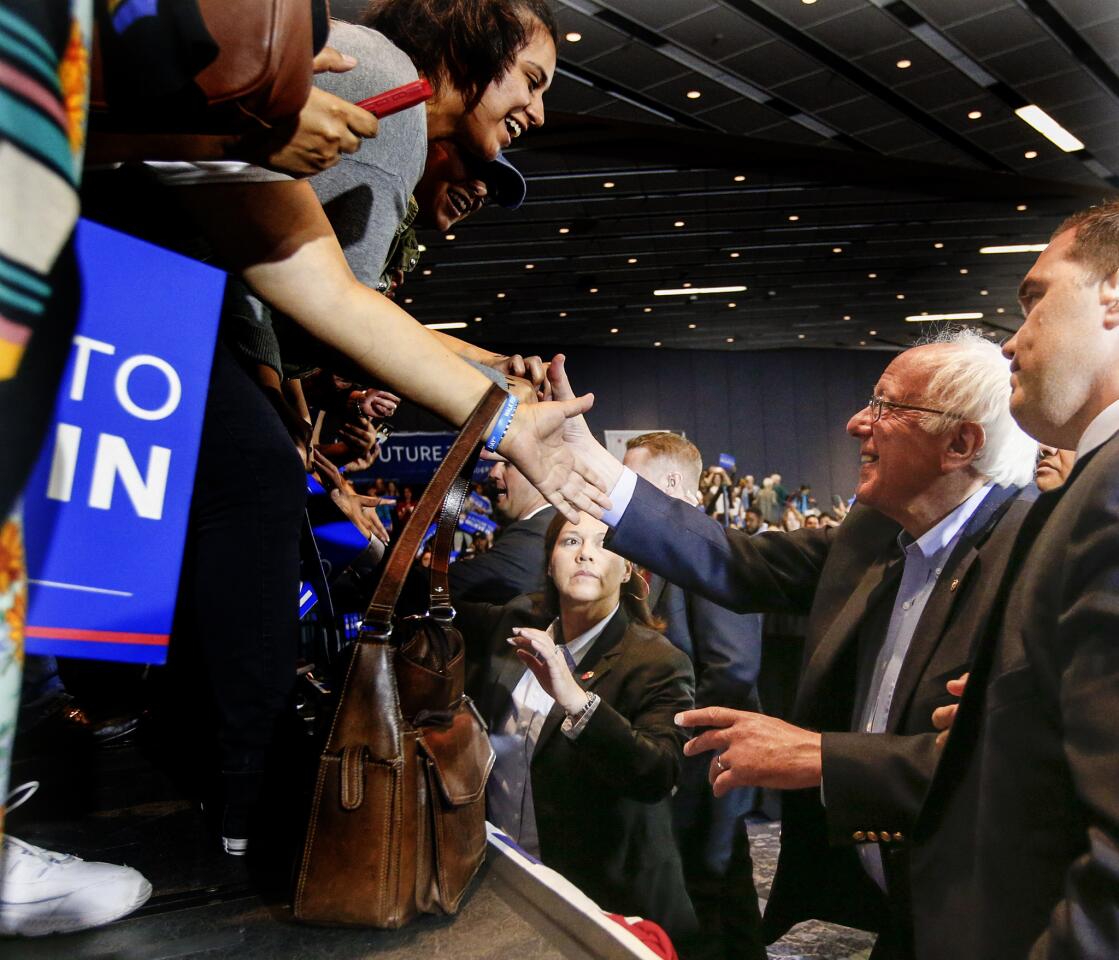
(106, 506)
(726, 461)
(413, 458)
(477, 523)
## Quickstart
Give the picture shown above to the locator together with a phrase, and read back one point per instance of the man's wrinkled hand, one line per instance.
(944, 717)
(535, 443)
(753, 750)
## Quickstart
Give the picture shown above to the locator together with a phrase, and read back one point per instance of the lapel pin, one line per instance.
(587, 675)
(955, 583)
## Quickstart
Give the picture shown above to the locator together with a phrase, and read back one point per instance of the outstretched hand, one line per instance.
(540, 654)
(753, 750)
(567, 478)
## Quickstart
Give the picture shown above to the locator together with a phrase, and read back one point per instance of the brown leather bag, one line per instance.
(398, 822)
(262, 72)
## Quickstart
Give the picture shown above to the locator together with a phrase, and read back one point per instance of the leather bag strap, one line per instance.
(457, 465)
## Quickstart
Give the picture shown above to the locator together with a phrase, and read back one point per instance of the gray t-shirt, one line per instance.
(365, 194)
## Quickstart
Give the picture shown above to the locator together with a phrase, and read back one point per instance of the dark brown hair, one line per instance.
(1096, 243)
(547, 603)
(465, 43)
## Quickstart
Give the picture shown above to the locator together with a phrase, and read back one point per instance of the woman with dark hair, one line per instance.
(579, 692)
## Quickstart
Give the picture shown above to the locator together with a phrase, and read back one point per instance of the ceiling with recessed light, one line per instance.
(843, 161)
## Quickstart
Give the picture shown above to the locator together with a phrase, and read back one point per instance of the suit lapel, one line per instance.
(597, 662)
(948, 589)
(656, 589)
(882, 575)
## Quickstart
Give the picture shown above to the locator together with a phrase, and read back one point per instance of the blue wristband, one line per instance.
(504, 418)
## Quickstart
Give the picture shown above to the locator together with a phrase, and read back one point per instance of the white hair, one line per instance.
(972, 381)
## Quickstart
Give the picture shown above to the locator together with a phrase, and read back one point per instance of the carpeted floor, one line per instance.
(806, 941)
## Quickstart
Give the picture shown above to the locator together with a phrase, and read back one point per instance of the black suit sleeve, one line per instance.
(771, 572)
(875, 781)
(1085, 667)
(728, 654)
(638, 755)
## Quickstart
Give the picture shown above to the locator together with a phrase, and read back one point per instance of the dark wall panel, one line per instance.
(783, 411)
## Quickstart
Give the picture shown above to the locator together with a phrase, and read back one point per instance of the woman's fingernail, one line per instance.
(678, 719)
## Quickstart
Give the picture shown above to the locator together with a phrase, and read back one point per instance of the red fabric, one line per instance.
(650, 934)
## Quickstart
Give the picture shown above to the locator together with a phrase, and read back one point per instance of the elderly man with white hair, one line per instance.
(895, 596)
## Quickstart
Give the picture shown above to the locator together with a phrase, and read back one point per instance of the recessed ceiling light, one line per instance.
(407, 299)
(573, 37)
(648, 310)
(449, 236)
(862, 343)
(730, 339)
(983, 293)
(593, 290)
(739, 178)
(963, 271)
(808, 3)
(530, 266)
(693, 94)
(735, 255)
(800, 336)
(687, 289)
(477, 319)
(632, 260)
(927, 317)
(613, 329)
(608, 184)
(691, 326)
(678, 223)
(938, 245)
(1049, 128)
(904, 64)
(565, 230)
(846, 316)
(836, 249)
(426, 273)
(688, 284)
(563, 313)
(793, 218)
(1016, 248)
(456, 325)
(901, 296)
(872, 276)
(656, 343)
(732, 305)
(1030, 154)
(873, 333)
(422, 248)
(975, 114)
(501, 296)
(1000, 310)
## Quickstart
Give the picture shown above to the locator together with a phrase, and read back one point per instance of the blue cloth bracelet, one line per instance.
(504, 418)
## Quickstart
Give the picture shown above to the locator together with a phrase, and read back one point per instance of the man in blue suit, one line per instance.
(725, 649)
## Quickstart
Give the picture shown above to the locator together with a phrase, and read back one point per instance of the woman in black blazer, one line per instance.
(588, 753)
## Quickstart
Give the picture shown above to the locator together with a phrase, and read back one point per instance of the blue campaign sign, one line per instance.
(414, 457)
(107, 503)
(726, 461)
(477, 523)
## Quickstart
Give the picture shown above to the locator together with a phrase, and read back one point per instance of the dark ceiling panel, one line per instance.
(772, 63)
(658, 13)
(1085, 13)
(675, 92)
(1043, 58)
(864, 28)
(716, 33)
(933, 91)
(818, 91)
(987, 34)
(742, 116)
(943, 13)
(1105, 39)
(1053, 92)
(635, 65)
(597, 37)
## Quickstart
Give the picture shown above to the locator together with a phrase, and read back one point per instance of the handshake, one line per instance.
(549, 440)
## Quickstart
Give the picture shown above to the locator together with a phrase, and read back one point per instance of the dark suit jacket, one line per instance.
(841, 577)
(1029, 781)
(725, 649)
(601, 800)
(514, 565)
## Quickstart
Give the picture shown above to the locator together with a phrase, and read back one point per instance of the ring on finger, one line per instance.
(723, 768)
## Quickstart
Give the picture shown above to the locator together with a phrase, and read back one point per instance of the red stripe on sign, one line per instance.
(96, 636)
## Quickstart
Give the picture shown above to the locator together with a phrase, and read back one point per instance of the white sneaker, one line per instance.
(45, 892)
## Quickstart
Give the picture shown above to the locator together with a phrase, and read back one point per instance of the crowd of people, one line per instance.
(950, 770)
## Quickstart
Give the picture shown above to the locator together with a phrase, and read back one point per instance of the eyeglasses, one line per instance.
(876, 404)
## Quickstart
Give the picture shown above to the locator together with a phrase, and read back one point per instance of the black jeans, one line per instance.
(238, 599)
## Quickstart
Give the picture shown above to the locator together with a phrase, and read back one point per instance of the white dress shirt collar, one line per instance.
(1099, 431)
(936, 539)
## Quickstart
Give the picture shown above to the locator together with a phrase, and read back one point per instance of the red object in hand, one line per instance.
(397, 99)
(649, 933)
